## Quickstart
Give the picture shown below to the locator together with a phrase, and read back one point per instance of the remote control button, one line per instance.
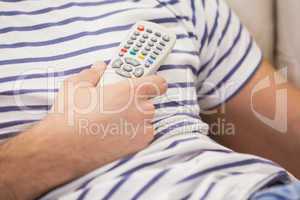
(154, 39)
(132, 61)
(121, 54)
(147, 64)
(142, 40)
(166, 38)
(133, 53)
(145, 36)
(138, 45)
(151, 44)
(156, 52)
(136, 33)
(150, 61)
(149, 30)
(133, 37)
(158, 34)
(147, 48)
(141, 57)
(152, 56)
(158, 47)
(138, 72)
(127, 68)
(117, 63)
(124, 50)
(130, 42)
(126, 46)
(123, 73)
(141, 28)
(136, 49)
(144, 53)
(162, 43)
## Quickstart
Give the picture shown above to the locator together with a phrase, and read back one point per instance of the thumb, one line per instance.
(91, 75)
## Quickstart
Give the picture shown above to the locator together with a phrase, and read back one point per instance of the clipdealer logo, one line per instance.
(279, 122)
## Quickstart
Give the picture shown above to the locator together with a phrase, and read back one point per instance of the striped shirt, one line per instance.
(44, 42)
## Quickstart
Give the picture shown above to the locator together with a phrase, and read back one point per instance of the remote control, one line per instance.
(140, 54)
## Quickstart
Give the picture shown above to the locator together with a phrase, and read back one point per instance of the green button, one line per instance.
(132, 53)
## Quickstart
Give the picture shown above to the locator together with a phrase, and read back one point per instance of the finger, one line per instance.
(148, 109)
(150, 86)
(91, 75)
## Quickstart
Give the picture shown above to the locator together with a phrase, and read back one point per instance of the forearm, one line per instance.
(30, 166)
(252, 134)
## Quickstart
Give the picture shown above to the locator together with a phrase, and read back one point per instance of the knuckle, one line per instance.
(91, 73)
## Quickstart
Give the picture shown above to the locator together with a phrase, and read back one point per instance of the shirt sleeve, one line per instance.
(228, 54)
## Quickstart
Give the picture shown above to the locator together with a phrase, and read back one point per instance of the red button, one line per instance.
(141, 28)
(124, 50)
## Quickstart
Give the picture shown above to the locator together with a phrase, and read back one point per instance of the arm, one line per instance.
(251, 134)
(60, 148)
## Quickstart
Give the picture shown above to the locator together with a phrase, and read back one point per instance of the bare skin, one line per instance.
(251, 134)
(54, 152)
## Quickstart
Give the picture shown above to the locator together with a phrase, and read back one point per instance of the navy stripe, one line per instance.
(61, 7)
(115, 188)
(79, 35)
(59, 57)
(171, 128)
(204, 3)
(4, 136)
(181, 85)
(72, 54)
(61, 23)
(120, 163)
(67, 38)
(223, 167)
(16, 123)
(213, 31)
(226, 28)
(194, 116)
(25, 107)
(30, 91)
(176, 104)
(77, 70)
(210, 187)
(228, 52)
(175, 143)
(11, 1)
(194, 53)
(83, 194)
(213, 184)
(193, 12)
(27, 91)
(188, 35)
(204, 38)
(142, 166)
(186, 197)
(127, 175)
(44, 75)
(205, 65)
(170, 2)
(149, 184)
(224, 80)
(242, 85)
